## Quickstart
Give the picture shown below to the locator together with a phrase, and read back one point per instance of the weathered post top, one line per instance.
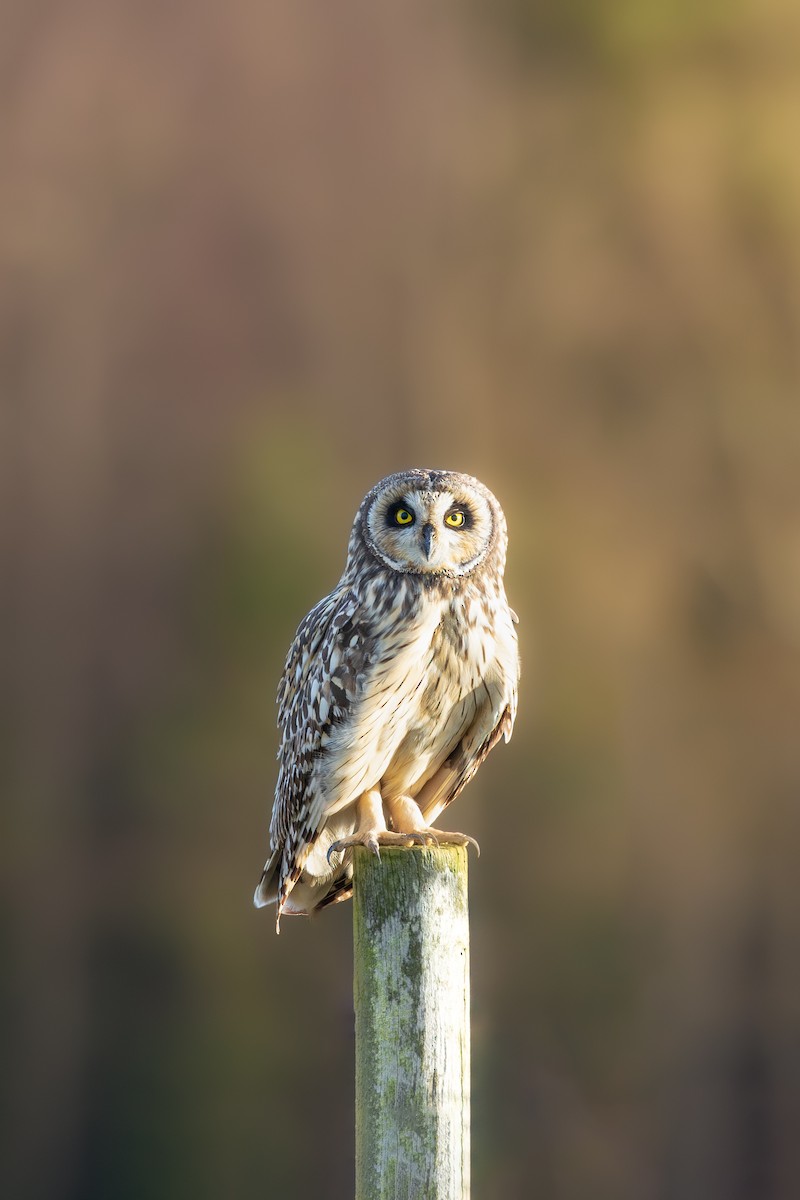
(411, 987)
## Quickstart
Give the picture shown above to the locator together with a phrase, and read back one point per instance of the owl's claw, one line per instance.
(455, 839)
(416, 837)
(368, 838)
(372, 840)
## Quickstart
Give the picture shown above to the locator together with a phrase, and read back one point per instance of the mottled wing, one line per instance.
(461, 766)
(495, 711)
(322, 677)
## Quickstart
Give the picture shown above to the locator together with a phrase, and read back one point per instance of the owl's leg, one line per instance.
(405, 816)
(371, 828)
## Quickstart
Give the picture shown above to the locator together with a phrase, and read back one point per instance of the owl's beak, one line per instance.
(428, 534)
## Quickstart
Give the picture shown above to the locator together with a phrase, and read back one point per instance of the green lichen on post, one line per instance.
(411, 986)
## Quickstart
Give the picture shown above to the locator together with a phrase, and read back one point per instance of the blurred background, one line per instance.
(253, 258)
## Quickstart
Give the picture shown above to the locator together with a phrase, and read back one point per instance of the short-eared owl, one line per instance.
(396, 687)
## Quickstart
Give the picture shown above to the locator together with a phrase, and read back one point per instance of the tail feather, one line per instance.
(267, 890)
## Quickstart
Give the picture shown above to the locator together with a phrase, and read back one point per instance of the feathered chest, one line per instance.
(424, 663)
(424, 669)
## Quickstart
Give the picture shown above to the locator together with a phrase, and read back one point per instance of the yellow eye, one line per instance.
(455, 519)
(403, 517)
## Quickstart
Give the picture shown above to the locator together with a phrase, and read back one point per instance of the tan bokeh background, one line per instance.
(253, 258)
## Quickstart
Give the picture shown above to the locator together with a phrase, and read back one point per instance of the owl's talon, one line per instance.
(372, 840)
(457, 839)
(368, 839)
(416, 837)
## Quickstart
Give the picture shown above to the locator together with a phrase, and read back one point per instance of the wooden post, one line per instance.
(411, 986)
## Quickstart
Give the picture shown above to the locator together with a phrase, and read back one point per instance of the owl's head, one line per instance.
(427, 522)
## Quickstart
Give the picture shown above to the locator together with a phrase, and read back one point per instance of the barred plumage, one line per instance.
(396, 686)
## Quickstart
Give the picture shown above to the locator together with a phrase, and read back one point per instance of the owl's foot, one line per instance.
(368, 838)
(370, 827)
(373, 839)
(408, 827)
(406, 818)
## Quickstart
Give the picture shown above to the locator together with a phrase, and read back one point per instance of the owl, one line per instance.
(396, 686)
